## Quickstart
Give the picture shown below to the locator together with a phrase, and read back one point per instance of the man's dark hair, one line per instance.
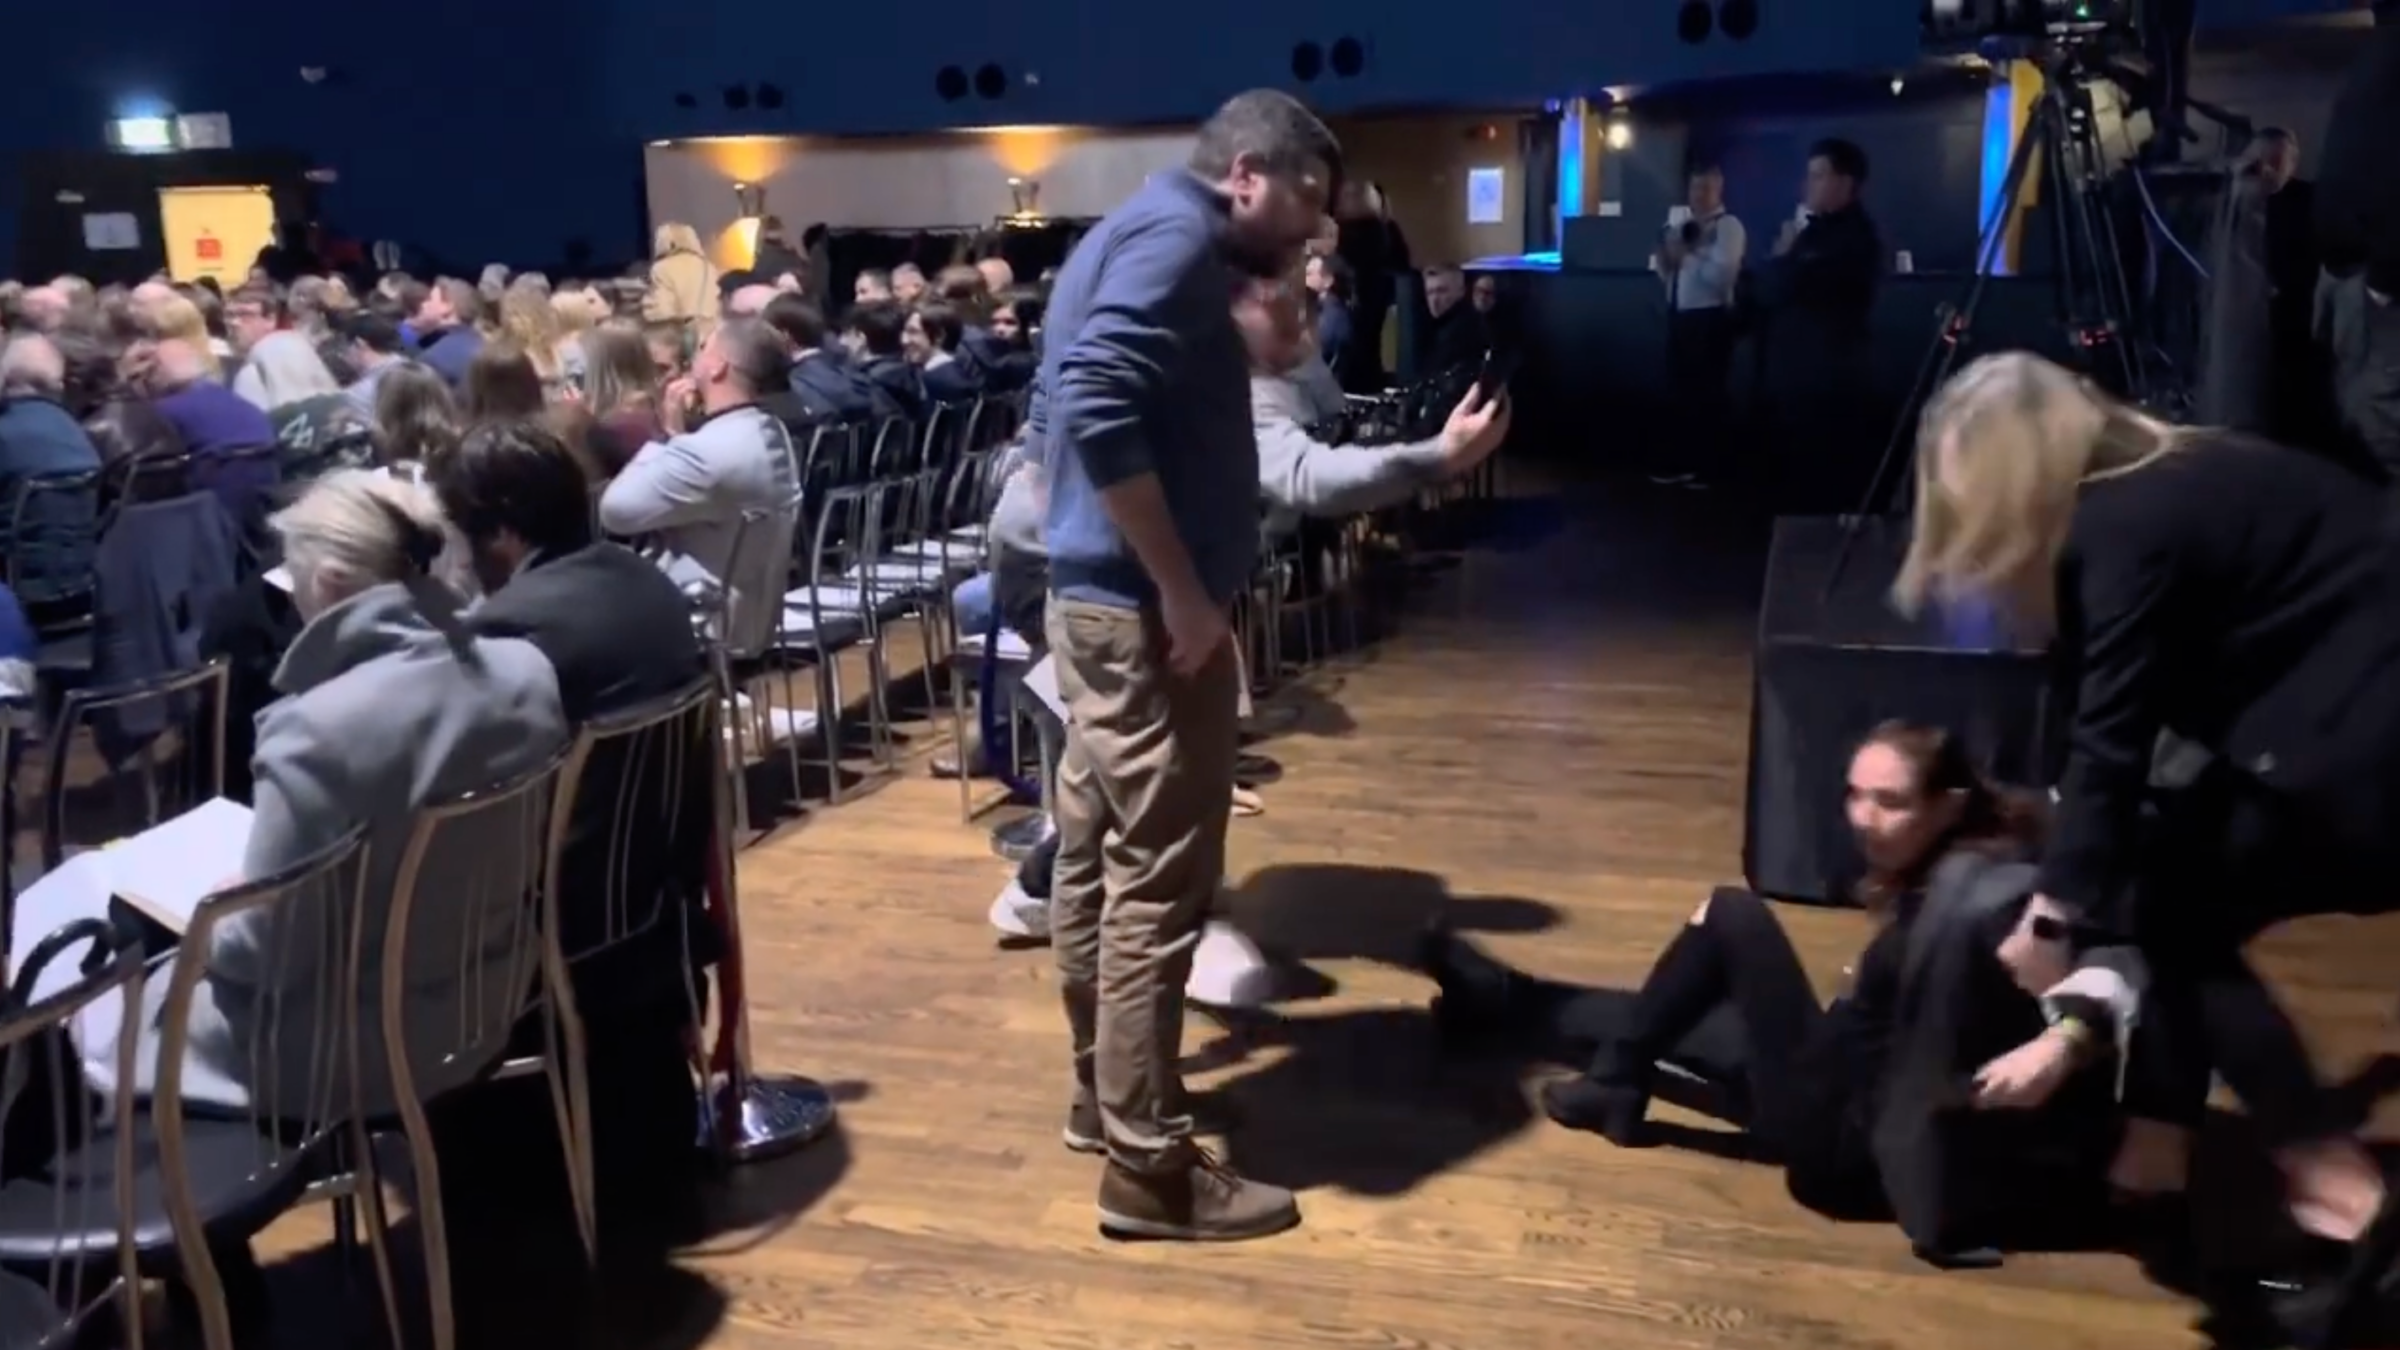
(265, 298)
(879, 324)
(1270, 127)
(755, 352)
(942, 324)
(733, 279)
(466, 302)
(374, 329)
(516, 476)
(1843, 157)
(801, 323)
(408, 296)
(1700, 167)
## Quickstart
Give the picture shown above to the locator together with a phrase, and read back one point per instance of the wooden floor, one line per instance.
(1550, 751)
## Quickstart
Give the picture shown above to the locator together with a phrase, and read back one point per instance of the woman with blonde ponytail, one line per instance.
(2246, 599)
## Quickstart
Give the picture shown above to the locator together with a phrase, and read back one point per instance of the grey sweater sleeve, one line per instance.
(1297, 472)
(1017, 515)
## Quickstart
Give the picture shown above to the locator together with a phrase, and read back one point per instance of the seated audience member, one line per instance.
(44, 308)
(1861, 1102)
(529, 322)
(873, 337)
(40, 438)
(1328, 279)
(1004, 349)
(998, 277)
(171, 317)
(908, 284)
(1291, 392)
(670, 348)
(930, 341)
(450, 328)
(873, 287)
(619, 635)
(316, 427)
(416, 419)
(251, 315)
(691, 490)
(376, 350)
(501, 385)
(389, 704)
(825, 385)
(220, 428)
(1454, 334)
(618, 413)
(963, 289)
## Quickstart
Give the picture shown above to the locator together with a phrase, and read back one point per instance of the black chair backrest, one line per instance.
(82, 1196)
(146, 775)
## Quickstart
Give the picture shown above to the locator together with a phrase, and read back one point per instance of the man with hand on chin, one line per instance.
(1152, 467)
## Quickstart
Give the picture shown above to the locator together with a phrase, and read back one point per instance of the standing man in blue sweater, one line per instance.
(1152, 468)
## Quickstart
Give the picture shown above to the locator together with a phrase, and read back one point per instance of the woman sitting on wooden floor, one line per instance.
(1897, 1097)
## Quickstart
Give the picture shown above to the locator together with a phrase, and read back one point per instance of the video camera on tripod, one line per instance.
(2075, 44)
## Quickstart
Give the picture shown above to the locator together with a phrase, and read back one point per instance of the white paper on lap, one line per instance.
(168, 869)
(1042, 682)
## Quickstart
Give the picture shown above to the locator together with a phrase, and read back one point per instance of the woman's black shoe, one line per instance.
(1616, 1112)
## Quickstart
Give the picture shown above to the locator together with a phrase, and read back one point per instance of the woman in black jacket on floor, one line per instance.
(1892, 1099)
(2246, 599)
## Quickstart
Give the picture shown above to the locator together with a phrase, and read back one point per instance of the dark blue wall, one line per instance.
(864, 67)
(506, 128)
(468, 127)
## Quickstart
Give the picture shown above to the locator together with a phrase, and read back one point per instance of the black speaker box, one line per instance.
(1832, 663)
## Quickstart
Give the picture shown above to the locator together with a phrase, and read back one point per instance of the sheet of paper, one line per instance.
(280, 578)
(77, 889)
(1042, 682)
(168, 869)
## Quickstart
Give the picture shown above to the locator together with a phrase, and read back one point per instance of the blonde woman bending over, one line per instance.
(683, 282)
(2244, 597)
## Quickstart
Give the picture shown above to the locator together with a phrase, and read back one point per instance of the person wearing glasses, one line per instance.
(1896, 1099)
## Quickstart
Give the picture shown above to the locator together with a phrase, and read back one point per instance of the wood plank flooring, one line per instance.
(1548, 750)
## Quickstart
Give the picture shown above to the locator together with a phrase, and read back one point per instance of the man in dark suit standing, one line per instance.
(620, 637)
(1817, 295)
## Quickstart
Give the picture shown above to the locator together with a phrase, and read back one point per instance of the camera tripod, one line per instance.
(2094, 291)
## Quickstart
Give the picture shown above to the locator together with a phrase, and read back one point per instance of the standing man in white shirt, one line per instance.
(1699, 259)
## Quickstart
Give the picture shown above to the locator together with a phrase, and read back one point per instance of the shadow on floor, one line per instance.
(1331, 911)
(1363, 1101)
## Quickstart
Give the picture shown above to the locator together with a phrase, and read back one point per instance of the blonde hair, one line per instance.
(675, 237)
(529, 322)
(357, 528)
(171, 318)
(574, 311)
(2002, 451)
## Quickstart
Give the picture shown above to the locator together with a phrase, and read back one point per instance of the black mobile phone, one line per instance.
(1499, 367)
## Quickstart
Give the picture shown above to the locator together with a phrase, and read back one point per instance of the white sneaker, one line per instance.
(1228, 970)
(1018, 915)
